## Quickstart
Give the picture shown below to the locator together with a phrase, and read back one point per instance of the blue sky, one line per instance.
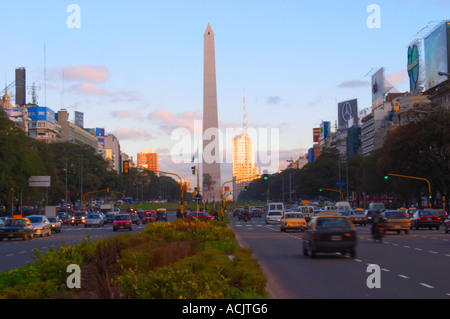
(135, 67)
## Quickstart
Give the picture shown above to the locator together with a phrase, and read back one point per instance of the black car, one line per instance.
(328, 234)
(256, 212)
(79, 217)
(161, 215)
(135, 218)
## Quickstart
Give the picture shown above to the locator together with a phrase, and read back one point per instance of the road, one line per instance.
(411, 266)
(16, 252)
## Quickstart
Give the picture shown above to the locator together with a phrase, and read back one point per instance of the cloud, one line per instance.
(128, 114)
(88, 88)
(132, 134)
(83, 73)
(170, 122)
(274, 100)
(397, 79)
(351, 84)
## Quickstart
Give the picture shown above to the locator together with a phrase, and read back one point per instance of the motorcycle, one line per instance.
(379, 232)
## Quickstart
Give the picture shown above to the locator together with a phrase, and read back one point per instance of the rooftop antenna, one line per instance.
(33, 93)
(45, 76)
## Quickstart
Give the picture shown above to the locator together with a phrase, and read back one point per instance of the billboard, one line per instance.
(347, 114)
(415, 65)
(316, 134)
(378, 87)
(41, 113)
(15, 115)
(324, 130)
(79, 119)
(437, 57)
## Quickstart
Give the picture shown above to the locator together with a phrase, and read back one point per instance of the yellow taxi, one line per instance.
(292, 221)
(161, 214)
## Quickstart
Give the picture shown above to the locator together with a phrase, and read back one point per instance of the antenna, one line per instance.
(33, 93)
(45, 76)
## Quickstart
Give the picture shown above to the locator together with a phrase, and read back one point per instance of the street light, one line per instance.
(67, 156)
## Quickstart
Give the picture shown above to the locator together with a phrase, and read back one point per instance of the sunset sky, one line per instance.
(135, 67)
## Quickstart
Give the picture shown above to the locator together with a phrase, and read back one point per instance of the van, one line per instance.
(343, 206)
(307, 211)
(275, 212)
(376, 206)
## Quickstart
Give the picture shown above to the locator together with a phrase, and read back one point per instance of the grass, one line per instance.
(173, 260)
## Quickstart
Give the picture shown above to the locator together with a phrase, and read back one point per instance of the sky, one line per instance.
(135, 68)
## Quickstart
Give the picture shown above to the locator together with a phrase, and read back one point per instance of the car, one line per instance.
(109, 218)
(17, 228)
(273, 217)
(369, 214)
(94, 219)
(140, 213)
(64, 218)
(256, 212)
(442, 213)
(358, 217)
(307, 211)
(236, 212)
(79, 217)
(55, 224)
(244, 214)
(41, 225)
(202, 216)
(396, 220)
(135, 218)
(329, 234)
(122, 221)
(161, 214)
(425, 218)
(148, 217)
(292, 221)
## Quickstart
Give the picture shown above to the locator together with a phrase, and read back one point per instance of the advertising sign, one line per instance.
(378, 87)
(436, 54)
(316, 134)
(39, 181)
(79, 119)
(324, 130)
(347, 114)
(414, 66)
(41, 113)
(15, 115)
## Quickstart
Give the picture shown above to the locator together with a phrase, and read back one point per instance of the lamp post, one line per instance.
(67, 157)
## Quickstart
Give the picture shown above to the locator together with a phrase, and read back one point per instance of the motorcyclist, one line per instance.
(377, 220)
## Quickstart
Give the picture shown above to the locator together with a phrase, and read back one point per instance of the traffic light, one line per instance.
(193, 170)
(245, 188)
(386, 175)
(265, 176)
(320, 189)
(107, 189)
(126, 166)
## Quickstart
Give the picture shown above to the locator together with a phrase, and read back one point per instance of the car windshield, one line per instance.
(52, 219)
(36, 219)
(94, 216)
(277, 207)
(14, 223)
(428, 213)
(395, 214)
(80, 214)
(122, 217)
(332, 222)
(294, 216)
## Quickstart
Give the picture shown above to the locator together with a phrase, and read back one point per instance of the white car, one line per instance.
(275, 212)
(94, 220)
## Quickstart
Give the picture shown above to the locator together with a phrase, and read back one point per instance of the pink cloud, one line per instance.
(132, 134)
(169, 121)
(127, 114)
(80, 73)
(88, 88)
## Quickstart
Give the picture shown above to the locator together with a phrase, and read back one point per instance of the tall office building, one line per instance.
(211, 153)
(244, 169)
(148, 159)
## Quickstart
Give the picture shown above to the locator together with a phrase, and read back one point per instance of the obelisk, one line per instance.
(211, 154)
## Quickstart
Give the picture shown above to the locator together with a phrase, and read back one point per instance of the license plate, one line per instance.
(397, 226)
(336, 237)
(429, 218)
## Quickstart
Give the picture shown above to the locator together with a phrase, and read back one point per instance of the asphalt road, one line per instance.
(16, 252)
(411, 266)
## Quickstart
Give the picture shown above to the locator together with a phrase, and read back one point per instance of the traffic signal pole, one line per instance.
(419, 178)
